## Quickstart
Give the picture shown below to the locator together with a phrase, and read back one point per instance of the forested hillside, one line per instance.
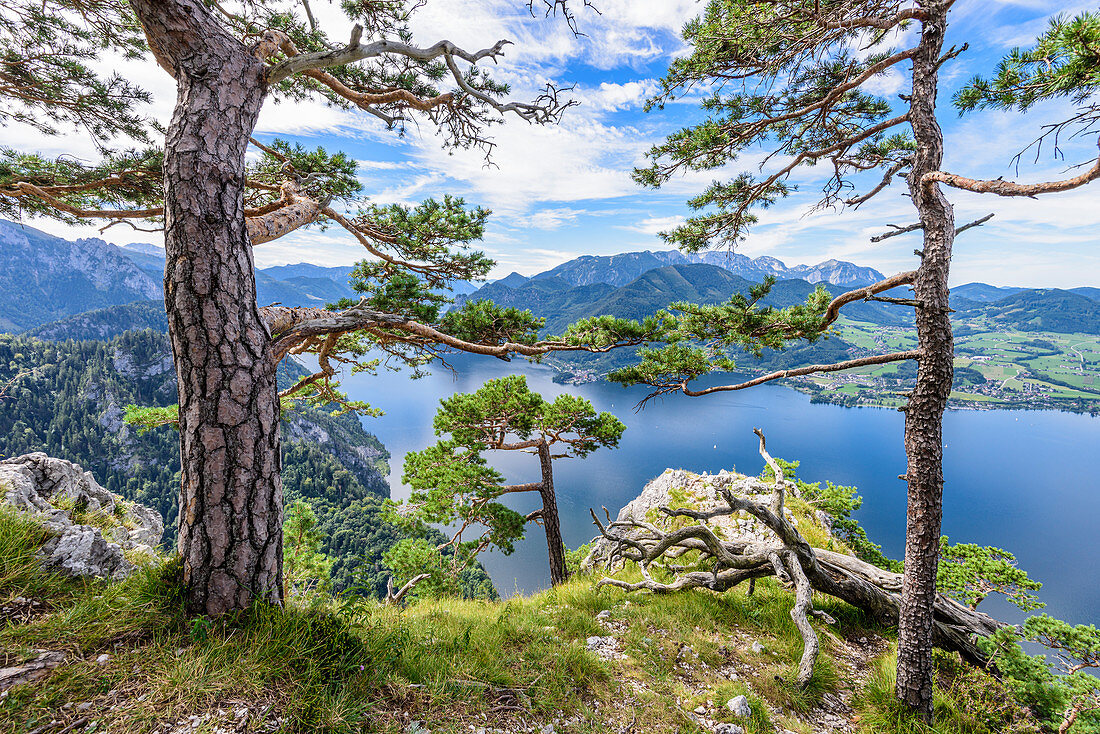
(68, 400)
(1055, 310)
(105, 323)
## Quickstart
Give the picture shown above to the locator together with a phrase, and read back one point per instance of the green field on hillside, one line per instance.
(994, 368)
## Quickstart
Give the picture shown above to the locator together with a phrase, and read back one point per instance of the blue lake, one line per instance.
(1025, 481)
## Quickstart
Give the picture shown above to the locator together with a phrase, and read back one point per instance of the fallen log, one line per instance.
(788, 557)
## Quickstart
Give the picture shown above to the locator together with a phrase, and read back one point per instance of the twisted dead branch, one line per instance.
(785, 555)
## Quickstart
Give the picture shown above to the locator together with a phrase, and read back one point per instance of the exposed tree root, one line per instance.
(789, 558)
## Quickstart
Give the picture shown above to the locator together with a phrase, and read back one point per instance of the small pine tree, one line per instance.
(454, 485)
(970, 573)
(306, 570)
(1063, 690)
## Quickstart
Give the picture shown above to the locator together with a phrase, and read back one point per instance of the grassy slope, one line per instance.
(352, 665)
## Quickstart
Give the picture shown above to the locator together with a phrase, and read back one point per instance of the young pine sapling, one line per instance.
(453, 484)
(970, 573)
(305, 568)
(1062, 690)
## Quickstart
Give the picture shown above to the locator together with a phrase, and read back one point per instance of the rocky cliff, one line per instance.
(93, 532)
(44, 278)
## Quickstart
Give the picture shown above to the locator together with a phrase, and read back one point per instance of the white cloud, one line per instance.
(612, 97)
(526, 261)
(578, 160)
(379, 165)
(655, 225)
(547, 219)
(886, 84)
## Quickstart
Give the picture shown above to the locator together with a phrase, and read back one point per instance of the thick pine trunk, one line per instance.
(924, 413)
(230, 526)
(554, 545)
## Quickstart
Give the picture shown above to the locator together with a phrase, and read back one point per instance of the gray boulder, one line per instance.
(739, 705)
(680, 488)
(93, 532)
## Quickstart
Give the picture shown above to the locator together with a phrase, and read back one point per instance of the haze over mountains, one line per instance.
(58, 289)
(626, 267)
(45, 279)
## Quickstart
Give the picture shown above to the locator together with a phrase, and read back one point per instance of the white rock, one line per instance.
(728, 729)
(739, 706)
(44, 487)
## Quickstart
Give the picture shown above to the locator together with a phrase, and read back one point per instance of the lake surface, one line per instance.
(1026, 481)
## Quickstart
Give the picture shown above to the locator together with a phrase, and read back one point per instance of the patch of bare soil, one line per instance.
(21, 610)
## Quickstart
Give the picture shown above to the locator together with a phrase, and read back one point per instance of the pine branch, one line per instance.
(832, 313)
(808, 370)
(1000, 187)
(898, 230)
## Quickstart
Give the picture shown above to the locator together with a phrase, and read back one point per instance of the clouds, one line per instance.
(613, 97)
(655, 225)
(564, 190)
(548, 219)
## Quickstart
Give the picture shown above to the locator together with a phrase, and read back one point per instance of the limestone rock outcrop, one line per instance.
(678, 488)
(93, 532)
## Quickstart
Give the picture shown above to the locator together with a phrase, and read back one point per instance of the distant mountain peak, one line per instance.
(44, 278)
(622, 268)
(512, 280)
(145, 248)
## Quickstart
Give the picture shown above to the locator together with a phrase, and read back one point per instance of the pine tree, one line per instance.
(970, 573)
(795, 79)
(306, 570)
(453, 484)
(195, 181)
(1063, 690)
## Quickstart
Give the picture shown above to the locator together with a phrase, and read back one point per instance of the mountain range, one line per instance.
(561, 302)
(89, 289)
(45, 279)
(619, 270)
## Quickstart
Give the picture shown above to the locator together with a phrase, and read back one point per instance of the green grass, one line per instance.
(353, 665)
(966, 701)
(20, 538)
(327, 669)
(360, 666)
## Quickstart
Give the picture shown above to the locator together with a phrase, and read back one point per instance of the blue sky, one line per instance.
(565, 190)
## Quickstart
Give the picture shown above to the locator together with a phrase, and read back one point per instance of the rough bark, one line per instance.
(554, 545)
(924, 413)
(1000, 187)
(230, 527)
